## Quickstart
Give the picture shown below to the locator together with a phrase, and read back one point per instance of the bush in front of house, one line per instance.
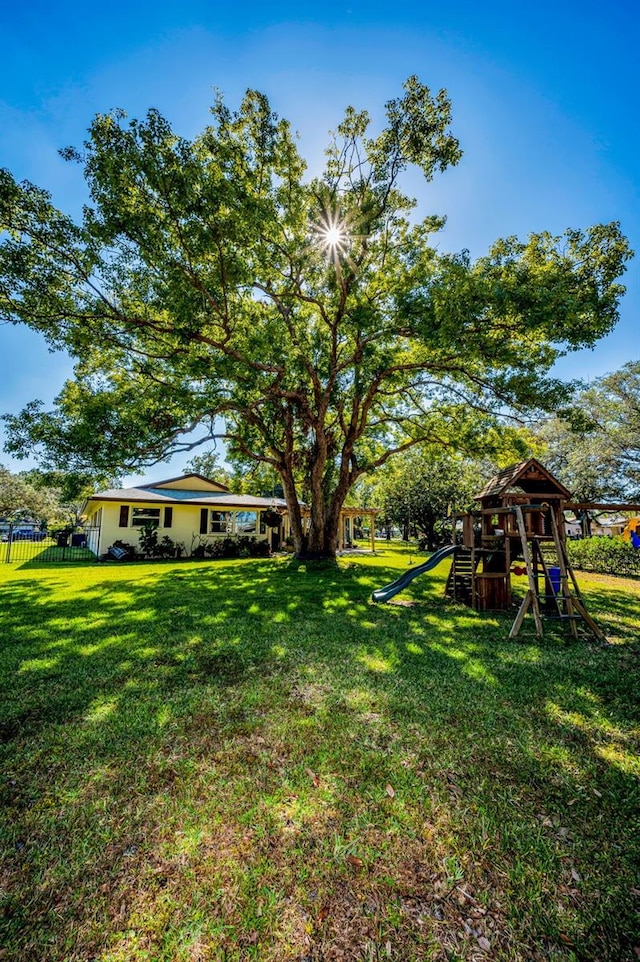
(610, 556)
(151, 547)
(237, 548)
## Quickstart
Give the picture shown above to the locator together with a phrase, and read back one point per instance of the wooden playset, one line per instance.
(519, 529)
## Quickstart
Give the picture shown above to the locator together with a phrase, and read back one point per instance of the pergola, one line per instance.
(347, 517)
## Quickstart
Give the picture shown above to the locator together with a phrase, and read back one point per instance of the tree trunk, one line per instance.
(316, 536)
(431, 534)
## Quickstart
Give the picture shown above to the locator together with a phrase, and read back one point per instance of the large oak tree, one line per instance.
(212, 289)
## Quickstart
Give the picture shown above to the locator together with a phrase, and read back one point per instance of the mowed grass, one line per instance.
(249, 760)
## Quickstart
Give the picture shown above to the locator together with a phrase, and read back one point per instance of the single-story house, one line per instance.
(603, 526)
(191, 510)
(21, 528)
(609, 526)
(572, 528)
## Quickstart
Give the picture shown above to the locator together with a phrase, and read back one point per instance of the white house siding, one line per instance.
(185, 527)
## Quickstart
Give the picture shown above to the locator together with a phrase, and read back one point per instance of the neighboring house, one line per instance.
(193, 510)
(573, 528)
(19, 529)
(602, 526)
(609, 526)
(190, 510)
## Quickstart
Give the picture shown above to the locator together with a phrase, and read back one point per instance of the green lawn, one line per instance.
(248, 760)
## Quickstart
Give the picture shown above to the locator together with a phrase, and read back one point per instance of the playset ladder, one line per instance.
(531, 598)
(570, 606)
(575, 600)
(461, 581)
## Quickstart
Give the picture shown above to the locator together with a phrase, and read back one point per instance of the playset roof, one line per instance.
(528, 477)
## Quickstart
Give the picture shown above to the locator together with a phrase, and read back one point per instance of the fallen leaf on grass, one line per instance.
(565, 939)
(596, 793)
(390, 791)
(355, 861)
(471, 899)
(575, 875)
(484, 944)
(314, 778)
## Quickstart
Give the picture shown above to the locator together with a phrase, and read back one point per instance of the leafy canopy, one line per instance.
(212, 290)
(594, 445)
(425, 489)
(30, 495)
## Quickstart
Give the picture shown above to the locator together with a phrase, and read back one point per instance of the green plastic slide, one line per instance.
(384, 594)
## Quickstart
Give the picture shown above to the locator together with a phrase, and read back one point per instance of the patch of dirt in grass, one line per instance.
(405, 915)
(311, 695)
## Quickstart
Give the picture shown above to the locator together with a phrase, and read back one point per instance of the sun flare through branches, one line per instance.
(332, 234)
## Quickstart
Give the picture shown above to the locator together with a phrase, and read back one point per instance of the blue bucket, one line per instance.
(554, 578)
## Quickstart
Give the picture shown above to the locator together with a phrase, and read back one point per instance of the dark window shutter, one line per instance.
(204, 517)
(168, 517)
(124, 516)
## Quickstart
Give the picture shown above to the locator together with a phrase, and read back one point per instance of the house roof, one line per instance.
(211, 484)
(528, 476)
(215, 499)
(604, 521)
(160, 492)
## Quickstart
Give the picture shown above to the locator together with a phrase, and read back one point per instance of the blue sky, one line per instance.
(545, 103)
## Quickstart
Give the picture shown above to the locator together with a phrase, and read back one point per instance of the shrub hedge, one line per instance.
(232, 548)
(610, 556)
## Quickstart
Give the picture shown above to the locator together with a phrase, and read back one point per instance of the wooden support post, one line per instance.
(589, 620)
(474, 583)
(507, 568)
(564, 578)
(547, 579)
(524, 607)
(533, 588)
(577, 602)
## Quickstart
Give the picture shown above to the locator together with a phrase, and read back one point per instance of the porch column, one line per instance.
(372, 531)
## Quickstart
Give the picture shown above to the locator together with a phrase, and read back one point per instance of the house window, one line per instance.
(168, 517)
(142, 516)
(221, 522)
(246, 522)
(124, 516)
